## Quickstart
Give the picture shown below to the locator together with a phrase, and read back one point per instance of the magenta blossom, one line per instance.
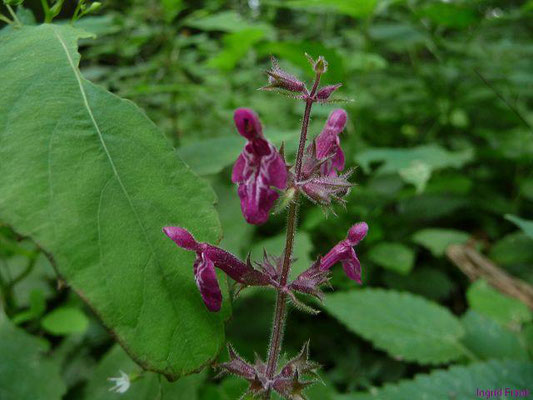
(328, 146)
(343, 252)
(207, 258)
(258, 169)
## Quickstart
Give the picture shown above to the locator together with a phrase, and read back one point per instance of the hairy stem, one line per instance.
(280, 314)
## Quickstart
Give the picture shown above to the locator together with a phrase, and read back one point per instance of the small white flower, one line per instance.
(122, 383)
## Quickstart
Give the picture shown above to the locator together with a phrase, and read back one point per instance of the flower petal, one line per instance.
(181, 237)
(336, 254)
(238, 169)
(277, 171)
(206, 280)
(247, 123)
(352, 267)
(357, 233)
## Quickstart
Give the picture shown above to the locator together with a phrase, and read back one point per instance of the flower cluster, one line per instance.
(295, 376)
(262, 176)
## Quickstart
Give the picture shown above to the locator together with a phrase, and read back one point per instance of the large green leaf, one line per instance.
(88, 177)
(148, 386)
(25, 372)
(406, 326)
(457, 383)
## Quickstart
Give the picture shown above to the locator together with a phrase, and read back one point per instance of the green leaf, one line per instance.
(515, 248)
(25, 372)
(357, 9)
(524, 224)
(65, 321)
(414, 165)
(406, 326)
(393, 256)
(428, 282)
(417, 174)
(437, 240)
(448, 14)
(93, 181)
(456, 383)
(147, 387)
(236, 46)
(171, 8)
(488, 339)
(226, 21)
(503, 309)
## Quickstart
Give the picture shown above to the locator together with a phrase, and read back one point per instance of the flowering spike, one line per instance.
(343, 252)
(258, 168)
(207, 258)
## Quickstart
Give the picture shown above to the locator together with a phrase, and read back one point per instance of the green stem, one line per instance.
(13, 15)
(5, 19)
(46, 10)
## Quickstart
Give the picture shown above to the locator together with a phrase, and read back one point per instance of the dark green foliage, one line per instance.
(440, 133)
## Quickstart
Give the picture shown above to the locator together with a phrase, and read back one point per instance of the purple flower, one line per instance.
(343, 252)
(207, 258)
(327, 144)
(258, 168)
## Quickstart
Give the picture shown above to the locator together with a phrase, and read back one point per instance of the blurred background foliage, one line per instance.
(440, 133)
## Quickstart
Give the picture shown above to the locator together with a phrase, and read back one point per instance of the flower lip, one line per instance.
(182, 237)
(247, 123)
(337, 119)
(357, 232)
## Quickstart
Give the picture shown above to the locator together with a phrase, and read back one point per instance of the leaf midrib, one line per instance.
(112, 163)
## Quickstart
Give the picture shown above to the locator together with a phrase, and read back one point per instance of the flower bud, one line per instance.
(324, 93)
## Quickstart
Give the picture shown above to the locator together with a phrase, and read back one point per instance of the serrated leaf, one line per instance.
(428, 282)
(437, 240)
(25, 372)
(393, 256)
(504, 309)
(148, 387)
(406, 326)
(92, 180)
(456, 383)
(488, 339)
